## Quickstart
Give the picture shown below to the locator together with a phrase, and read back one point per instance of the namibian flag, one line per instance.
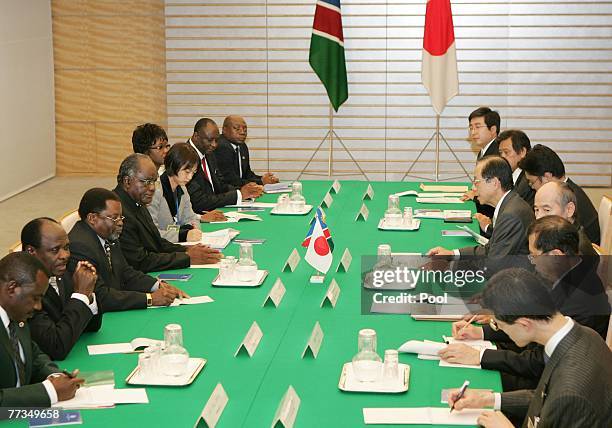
(320, 216)
(327, 51)
(319, 245)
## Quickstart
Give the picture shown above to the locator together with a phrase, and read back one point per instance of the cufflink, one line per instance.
(21, 324)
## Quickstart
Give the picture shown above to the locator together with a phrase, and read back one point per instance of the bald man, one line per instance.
(558, 198)
(232, 155)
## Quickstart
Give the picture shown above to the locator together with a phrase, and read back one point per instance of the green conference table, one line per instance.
(256, 385)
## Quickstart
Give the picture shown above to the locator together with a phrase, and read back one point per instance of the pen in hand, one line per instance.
(460, 395)
(468, 323)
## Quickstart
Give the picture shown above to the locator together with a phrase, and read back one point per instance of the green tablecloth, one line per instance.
(255, 385)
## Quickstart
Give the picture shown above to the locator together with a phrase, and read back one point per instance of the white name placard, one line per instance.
(251, 340)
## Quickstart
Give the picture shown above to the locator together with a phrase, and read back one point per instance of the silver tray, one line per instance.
(348, 383)
(416, 223)
(195, 365)
(261, 277)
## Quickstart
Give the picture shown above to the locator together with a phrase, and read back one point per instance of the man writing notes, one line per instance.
(69, 307)
(542, 165)
(575, 389)
(95, 239)
(483, 129)
(208, 189)
(29, 378)
(233, 155)
(143, 247)
(511, 216)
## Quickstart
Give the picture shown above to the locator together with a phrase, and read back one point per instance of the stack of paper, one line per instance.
(235, 216)
(218, 239)
(421, 415)
(122, 348)
(443, 188)
(277, 188)
(188, 301)
(94, 397)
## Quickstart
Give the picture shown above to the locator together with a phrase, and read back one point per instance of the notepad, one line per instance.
(277, 187)
(188, 301)
(122, 348)
(443, 188)
(103, 396)
(421, 415)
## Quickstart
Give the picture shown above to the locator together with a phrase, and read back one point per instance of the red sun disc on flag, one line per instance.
(320, 246)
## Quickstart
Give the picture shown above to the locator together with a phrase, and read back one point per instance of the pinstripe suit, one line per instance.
(575, 389)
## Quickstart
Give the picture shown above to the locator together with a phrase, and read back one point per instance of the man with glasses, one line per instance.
(69, 306)
(542, 165)
(575, 385)
(483, 128)
(208, 189)
(151, 140)
(144, 248)
(94, 239)
(233, 155)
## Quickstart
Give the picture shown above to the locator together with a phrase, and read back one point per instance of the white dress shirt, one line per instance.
(515, 175)
(93, 306)
(46, 383)
(236, 146)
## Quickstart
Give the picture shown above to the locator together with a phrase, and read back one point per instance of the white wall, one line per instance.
(27, 131)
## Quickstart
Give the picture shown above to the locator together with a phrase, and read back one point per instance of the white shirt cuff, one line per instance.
(456, 253)
(239, 197)
(93, 306)
(487, 227)
(497, 401)
(50, 391)
(155, 286)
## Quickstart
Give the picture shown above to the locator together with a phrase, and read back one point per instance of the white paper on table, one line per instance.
(188, 301)
(421, 415)
(253, 205)
(90, 398)
(442, 188)
(130, 396)
(277, 187)
(428, 357)
(234, 216)
(422, 347)
(478, 344)
(459, 366)
(122, 348)
(208, 266)
(477, 237)
(218, 239)
(439, 200)
(429, 194)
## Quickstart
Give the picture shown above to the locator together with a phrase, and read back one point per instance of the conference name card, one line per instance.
(276, 293)
(292, 261)
(314, 341)
(214, 407)
(345, 261)
(332, 293)
(369, 193)
(336, 187)
(327, 200)
(363, 213)
(287, 409)
(251, 340)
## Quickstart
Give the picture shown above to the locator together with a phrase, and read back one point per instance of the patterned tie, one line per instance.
(18, 360)
(239, 162)
(107, 251)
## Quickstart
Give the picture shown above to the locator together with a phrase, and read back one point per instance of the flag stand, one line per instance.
(330, 161)
(437, 135)
(317, 278)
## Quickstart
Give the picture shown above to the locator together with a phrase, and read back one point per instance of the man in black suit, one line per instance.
(94, 239)
(511, 216)
(232, 155)
(69, 306)
(575, 389)
(143, 247)
(484, 126)
(208, 189)
(29, 378)
(543, 165)
(576, 290)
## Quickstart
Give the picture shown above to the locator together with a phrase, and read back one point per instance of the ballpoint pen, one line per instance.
(460, 395)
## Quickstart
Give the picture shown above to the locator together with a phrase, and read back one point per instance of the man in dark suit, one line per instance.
(232, 155)
(543, 165)
(511, 216)
(575, 389)
(484, 126)
(576, 290)
(29, 378)
(94, 239)
(143, 247)
(69, 306)
(208, 189)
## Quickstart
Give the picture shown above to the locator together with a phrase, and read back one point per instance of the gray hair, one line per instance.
(129, 166)
(567, 195)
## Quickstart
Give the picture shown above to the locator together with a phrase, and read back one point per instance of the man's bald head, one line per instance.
(235, 129)
(555, 198)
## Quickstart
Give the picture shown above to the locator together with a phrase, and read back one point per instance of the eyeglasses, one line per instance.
(478, 180)
(160, 147)
(476, 127)
(114, 220)
(493, 325)
(147, 181)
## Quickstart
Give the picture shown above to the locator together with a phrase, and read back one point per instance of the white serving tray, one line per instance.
(349, 383)
(416, 223)
(304, 211)
(259, 279)
(194, 367)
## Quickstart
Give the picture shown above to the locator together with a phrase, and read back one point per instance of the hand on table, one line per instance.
(214, 215)
(469, 195)
(269, 178)
(494, 419)
(203, 255)
(472, 399)
(462, 331)
(251, 190)
(177, 292)
(64, 385)
(460, 353)
(194, 235)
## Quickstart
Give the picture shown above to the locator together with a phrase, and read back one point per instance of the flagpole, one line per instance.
(331, 142)
(437, 147)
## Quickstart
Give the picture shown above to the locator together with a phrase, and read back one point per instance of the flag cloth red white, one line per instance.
(439, 64)
(319, 245)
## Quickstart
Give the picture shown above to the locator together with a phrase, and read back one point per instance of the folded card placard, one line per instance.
(214, 407)
(292, 261)
(327, 200)
(369, 193)
(332, 293)
(276, 293)
(345, 261)
(363, 213)
(335, 187)
(251, 340)
(287, 409)
(314, 341)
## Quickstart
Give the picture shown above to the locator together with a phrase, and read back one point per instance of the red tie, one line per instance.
(207, 173)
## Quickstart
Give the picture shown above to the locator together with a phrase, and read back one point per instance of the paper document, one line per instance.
(253, 205)
(421, 415)
(439, 200)
(235, 216)
(277, 188)
(103, 396)
(443, 188)
(477, 237)
(428, 194)
(189, 301)
(122, 348)
(219, 239)
(422, 347)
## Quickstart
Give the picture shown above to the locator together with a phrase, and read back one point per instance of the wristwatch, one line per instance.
(149, 299)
